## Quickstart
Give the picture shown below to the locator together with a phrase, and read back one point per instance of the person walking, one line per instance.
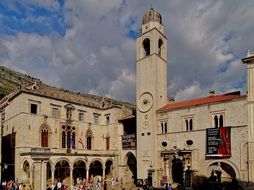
(105, 185)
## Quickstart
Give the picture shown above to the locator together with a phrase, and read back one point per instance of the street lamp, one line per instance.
(5, 166)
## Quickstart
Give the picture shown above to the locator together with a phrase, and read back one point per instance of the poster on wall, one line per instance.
(218, 142)
(129, 141)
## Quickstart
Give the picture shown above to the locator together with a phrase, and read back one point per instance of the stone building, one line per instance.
(198, 136)
(48, 133)
(51, 134)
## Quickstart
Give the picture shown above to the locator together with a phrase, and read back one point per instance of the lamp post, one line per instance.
(150, 176)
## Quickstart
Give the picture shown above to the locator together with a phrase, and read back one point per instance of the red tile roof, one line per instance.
(200, 101)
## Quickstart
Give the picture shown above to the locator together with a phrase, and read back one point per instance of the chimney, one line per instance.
(211, 92)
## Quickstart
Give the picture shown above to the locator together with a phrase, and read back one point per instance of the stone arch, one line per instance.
(131, 166)
(49, 172)
(79, 170)
(160, 47)
(146, 44)
(244, 156)
(96, 168)
(229, 169)
(62, 169)
(45, 135)
(108, 167)
(26, 167)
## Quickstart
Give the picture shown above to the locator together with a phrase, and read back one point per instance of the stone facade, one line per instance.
(172, 134)
(49, 133)
(62, 135)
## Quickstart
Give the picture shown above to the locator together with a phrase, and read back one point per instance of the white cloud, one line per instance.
(96, 55)
(192, 91)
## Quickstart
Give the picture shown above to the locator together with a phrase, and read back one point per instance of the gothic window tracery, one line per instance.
(68, 136)
(44, 135)
(218, 120)
(164, 127)
(188, 124)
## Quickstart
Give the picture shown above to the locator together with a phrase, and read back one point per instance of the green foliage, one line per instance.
(11, 80)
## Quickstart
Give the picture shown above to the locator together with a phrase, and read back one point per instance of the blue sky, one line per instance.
(90, 45)
(21, 17)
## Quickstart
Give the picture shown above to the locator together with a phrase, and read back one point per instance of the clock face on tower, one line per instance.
(145, 102)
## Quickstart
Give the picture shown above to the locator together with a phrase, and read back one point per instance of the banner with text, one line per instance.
(129, 141)
(218, 142)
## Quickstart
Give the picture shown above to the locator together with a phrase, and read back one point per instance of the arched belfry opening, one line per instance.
(146, 46)
(160, 45)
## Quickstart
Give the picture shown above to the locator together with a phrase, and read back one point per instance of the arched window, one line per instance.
(190, 128)
(166, 127)
(146, 46)
(89, 143)
(221, 120)
(162, 128)
(44, 136)
(26, 169)
(68, 137)
(216, 121)
(107, 143)
(89, 139)
(186, 124)
(73, 142)
(160, 43)
(63, 139)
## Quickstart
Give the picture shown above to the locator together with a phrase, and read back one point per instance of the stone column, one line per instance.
(249, 61)
(37, 175)
(87, 173)
(43, 174)
(31, 177)
(103, 172)
(53, 176)
(71, 177)
(170, 170)
(40, 157)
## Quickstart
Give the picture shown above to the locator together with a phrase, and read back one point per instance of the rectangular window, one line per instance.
(55, 112)
(107, 143)
(81, 116)
(96, 118)
(34, 108)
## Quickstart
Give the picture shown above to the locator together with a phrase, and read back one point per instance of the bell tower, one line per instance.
(151, 93)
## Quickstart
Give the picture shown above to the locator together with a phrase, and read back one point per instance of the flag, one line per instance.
(81, 142)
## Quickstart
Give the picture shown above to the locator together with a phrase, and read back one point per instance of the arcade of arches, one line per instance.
(69, 172)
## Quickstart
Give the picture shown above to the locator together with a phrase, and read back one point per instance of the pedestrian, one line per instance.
(105, 185)
(170, 187)
(4, 184)
(48, 187)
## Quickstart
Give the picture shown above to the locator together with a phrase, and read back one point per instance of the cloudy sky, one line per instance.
(89, 45)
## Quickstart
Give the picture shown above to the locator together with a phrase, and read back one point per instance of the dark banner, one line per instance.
(218, 142)
(129, 141)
